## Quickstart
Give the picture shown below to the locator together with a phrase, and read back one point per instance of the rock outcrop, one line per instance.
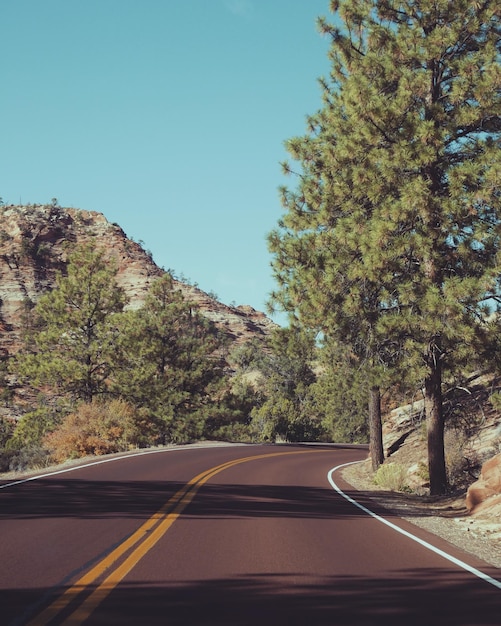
(487, 489)
(468, 442)
(35, 241)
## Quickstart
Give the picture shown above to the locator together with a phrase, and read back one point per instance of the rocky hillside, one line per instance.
(470, 516)
(34, 244)
(472, 434)
(473, 457)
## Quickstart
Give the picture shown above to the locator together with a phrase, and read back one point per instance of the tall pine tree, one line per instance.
(407, 168)
(73, 344)
(169, 361)
(319, 258)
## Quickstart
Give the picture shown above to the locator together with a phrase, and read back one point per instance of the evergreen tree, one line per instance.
(287, 374)
(318, 257)
(406, 158)
(73, 348)
(169, 362)
(339, 397)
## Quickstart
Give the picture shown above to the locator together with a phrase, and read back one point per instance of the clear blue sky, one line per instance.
(168, 116)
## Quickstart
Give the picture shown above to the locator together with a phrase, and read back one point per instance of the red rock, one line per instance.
(488, 485)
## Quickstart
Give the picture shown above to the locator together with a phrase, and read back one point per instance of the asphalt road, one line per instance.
(241, 535)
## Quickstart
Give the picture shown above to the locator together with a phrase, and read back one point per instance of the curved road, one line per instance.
(226, 535)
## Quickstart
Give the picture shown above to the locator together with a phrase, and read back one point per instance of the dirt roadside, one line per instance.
(445, 516)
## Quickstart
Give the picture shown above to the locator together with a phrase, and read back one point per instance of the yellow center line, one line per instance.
(147, 535)
(93, 574)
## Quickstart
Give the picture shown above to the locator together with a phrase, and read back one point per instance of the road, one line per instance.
(226, 535)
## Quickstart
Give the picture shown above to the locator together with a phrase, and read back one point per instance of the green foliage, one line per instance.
(339, 399)
(5, 388)
(6, 430)
(423, 471)
(161, 358)
(7, 427)
(20, 443)
(252, 355)
(168, 362)
(32, 428)
(495, 400)
(287, 375)
(390, 242)
(230, 421)
(392, 476)
(74, 335)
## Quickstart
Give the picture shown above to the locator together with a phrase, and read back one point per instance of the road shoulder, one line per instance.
(446, 517)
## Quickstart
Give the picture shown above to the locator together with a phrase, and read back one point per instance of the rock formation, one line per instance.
(35, 241)
(486, 491)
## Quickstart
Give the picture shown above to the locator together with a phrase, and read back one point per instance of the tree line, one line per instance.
(100, 377)
(110, 377)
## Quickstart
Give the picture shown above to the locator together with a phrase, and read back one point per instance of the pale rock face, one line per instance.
(34, 245)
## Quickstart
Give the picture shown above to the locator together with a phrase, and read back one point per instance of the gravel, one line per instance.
(446, 517)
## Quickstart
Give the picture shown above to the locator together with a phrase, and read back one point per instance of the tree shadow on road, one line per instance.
(101, 499)
(406, 598)
(75, 498)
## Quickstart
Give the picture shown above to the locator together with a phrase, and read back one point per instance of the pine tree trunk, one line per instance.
(435, 427)
(375, 428)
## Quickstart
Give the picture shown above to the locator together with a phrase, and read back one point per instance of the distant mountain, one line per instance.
(35, 241)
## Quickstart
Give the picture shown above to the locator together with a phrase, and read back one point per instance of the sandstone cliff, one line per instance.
(34, 244)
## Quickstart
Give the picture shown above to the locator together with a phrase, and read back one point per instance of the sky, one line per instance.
(167, 116)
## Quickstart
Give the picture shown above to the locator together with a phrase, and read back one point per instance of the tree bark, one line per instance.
(375, 428)
(435, 425)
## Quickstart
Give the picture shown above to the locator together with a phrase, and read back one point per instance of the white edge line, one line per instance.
(100, 462)
(429, 546)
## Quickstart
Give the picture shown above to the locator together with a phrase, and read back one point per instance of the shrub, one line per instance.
(392, 476)
(34, 457)
(97, 428)
(5, 459)
(6, 429)
(32, 428)
(423, 471)
(231, 432)
(458, 456)
(495, 400)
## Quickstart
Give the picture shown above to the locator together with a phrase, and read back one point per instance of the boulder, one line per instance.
(488, 485)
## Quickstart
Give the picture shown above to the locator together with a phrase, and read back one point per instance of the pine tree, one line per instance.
(429, 103)
(169, 362)
(339, 397)
(287, 375)
(72, 349)
(318, 258)
(406, 157)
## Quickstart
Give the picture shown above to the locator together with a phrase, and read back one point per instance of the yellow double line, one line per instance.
(147, 536)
